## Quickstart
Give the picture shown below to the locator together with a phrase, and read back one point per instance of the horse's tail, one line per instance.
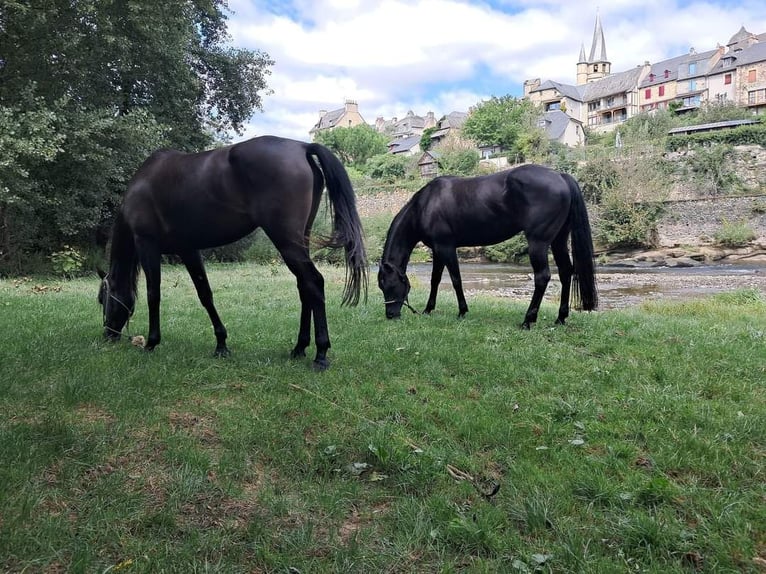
(347, 227)
(584, 290)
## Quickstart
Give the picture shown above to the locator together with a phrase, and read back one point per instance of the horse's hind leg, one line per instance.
(311, 291)
(564, 265)
(193, 262)
(538, 256)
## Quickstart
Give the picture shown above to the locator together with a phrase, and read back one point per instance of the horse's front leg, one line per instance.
(150, 258)
(449, 256)
(538, 256)
(436, 277)
(196, 268)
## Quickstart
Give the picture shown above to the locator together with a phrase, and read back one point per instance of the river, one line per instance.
(618, 286)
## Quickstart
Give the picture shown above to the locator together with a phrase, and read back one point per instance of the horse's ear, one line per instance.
(101, 272)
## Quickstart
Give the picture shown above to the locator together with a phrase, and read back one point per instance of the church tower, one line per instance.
(582, 67)
(597, 65)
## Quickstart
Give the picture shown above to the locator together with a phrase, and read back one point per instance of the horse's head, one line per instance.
(117, 305)
(395, 286)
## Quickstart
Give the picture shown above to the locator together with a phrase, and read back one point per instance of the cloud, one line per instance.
(444, 55)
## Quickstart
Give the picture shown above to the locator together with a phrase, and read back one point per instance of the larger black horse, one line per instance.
(180, 203)
(451, 212)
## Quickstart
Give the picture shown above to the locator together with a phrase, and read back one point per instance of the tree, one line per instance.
(425, 140)
(500, 122)
(388, 167)
(354, 145)
(106, 83)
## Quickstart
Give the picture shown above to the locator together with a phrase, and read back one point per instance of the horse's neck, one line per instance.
(123, 258)
(402, 239)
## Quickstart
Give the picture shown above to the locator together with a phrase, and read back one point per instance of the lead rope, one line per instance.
(406, 303)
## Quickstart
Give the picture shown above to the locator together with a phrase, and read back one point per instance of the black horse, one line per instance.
(451, 212)
(180, 203)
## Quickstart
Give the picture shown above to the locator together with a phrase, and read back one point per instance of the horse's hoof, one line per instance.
(222, 353)
(559, 322)
(525, 326)
(297, 353)
(320, 365)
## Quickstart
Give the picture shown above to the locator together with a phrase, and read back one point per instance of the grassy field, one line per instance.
(627, 441)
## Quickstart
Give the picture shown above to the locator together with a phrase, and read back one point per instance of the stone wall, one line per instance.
(695, 222)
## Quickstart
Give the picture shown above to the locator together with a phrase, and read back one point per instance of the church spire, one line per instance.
(582, 54)
(598, 49)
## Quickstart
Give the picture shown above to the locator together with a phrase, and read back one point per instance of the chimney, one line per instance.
(352, 106)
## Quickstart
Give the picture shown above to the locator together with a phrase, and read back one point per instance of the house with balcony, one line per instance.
(682, 79)
(601, 100)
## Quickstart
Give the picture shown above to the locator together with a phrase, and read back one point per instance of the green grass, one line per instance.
(627, 441)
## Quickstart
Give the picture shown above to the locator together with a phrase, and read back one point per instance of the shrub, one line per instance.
(511, 250)
(68, 262)
(597, 177)
(734, 234)
(712, 168)
(627, 224)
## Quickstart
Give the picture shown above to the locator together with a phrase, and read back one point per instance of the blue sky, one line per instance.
(447, 55)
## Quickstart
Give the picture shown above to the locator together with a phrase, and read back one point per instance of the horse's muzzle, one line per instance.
(111, 335)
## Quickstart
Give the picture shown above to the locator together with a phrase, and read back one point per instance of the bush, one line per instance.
(68, 262)
(712, 168)
(734, 234)
(625, 224)
(754, 134)
(597, 177)
(511, 250)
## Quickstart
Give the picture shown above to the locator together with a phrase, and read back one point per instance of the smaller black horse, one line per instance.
(450, 212)
(180, 203)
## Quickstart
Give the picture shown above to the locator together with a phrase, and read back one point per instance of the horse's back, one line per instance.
(217, 196)
(487, 209)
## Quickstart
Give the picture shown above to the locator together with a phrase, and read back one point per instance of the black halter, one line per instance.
(110, 295)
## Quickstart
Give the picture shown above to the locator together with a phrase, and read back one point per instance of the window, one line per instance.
(661, 91)
(595, 67)
(667, 73)
(610, 101)
(727, 79)
(648, 94)
(692, 85)
(651, 77)
(692, 68)
(751, 76)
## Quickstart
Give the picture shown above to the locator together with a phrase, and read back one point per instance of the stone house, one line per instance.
(405, 146)
(562, 128)
(447, 125)
(346, 117)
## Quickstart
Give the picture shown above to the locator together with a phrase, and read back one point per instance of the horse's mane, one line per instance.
(123, 258)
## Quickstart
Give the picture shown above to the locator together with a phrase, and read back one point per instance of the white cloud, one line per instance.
(444, 55)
